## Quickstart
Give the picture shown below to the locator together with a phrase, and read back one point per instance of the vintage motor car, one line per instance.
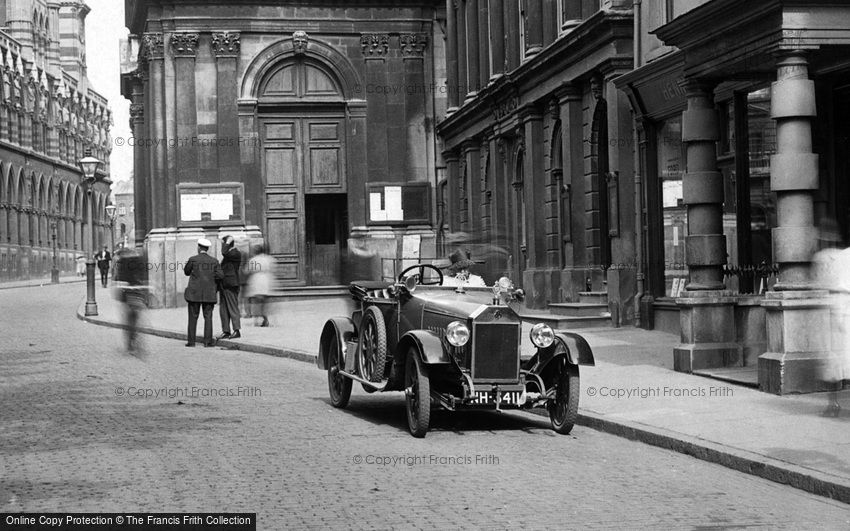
(453, 348)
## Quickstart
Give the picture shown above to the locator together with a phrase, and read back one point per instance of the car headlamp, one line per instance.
(457, 334)
(542, 335)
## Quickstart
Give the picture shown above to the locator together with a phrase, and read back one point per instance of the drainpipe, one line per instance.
(638, 149)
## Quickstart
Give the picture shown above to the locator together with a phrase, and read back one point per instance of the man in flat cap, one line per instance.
(204, 272)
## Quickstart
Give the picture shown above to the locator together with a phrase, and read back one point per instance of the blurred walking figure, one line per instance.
(104, 260)
(130, 282)
(81, 265)
(204, 273)
(260, 283)
(832, 267)
(231, 265)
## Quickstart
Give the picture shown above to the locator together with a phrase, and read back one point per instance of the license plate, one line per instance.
(489, 397)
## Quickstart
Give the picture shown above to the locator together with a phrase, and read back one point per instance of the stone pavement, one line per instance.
(632, 392)
(43, 281)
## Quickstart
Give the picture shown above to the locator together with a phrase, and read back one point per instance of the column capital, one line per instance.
(473, 144)
(413, 45)
(225, 43)
(451, 156)
(529, 112)
(696, 87)
(567, 92)
(183, 44)
(374, 45)
(153, 46)
(137, 113)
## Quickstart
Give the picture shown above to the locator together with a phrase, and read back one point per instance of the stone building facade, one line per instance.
(537, 145)
(49, 117)
(125, 213)
(742, 132)
(309, 129)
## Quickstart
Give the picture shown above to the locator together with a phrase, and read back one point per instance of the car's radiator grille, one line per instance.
(495, 352)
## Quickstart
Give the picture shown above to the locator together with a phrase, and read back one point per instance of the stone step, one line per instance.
(299, 292)
(567, 323)
(580, 309)
(593, 297)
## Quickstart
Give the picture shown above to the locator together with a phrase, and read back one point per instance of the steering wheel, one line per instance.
(422, 268)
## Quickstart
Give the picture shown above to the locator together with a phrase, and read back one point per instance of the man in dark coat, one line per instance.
(103, 261)
(204, 273)
(231, 264)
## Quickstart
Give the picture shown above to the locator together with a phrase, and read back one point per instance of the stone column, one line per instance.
(550, 21)
(183, 48)
(706, 312)
(573, 229)
(452, 200)
(153, 43)
(375, 47)
(534, 192)
(451, 55)
(463, 83)
(798, 320)
(413, 57)
(137, 126)
(225, 47)
(472, 156)
(533, 27)
(511, 23)
(472, 73)
(497, 38)
(483, 44)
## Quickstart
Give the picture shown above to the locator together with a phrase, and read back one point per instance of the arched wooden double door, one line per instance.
(302, 120)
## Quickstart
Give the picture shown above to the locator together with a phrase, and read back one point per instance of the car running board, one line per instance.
(375, 385)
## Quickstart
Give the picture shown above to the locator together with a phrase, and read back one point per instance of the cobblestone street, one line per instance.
(79, 435)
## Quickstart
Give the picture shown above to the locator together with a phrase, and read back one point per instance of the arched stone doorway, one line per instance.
(302, 120)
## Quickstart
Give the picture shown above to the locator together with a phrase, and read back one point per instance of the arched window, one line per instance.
(303, 79)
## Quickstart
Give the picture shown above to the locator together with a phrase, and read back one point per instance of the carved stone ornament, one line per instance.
(152, 44)
(374, 44)
(596, 87)
(184, 44)
(412, 44)
(226, 43)
(137, 112)
(300, 39)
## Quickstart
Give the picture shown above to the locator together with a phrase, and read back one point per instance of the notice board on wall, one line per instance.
(211, 204)
(399, 203)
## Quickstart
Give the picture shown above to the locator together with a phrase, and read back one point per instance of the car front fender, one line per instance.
(339, 329)
(572, 346)
(427, 343)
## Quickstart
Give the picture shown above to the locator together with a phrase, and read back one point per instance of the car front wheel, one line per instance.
(418, 394)
(563, 408)
(339, 386)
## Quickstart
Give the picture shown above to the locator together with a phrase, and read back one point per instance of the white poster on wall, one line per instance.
(218, 206)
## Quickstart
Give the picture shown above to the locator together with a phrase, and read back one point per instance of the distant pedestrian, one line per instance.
(130, 281)
(204, 272)
(260, 284)
(104, 260)
(81, 265)
(231, 265)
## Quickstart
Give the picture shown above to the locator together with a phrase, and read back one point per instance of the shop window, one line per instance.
(671, 168)
(761, 132)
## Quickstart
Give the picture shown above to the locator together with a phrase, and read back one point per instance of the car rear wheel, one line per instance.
(339, 386)
(418, 394)
(373, 345)
(563, 409)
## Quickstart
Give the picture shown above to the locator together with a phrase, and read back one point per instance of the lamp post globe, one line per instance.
(89, 166)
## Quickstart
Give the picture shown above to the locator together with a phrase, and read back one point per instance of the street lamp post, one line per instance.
(89, 166)
(110, 213)
(54, 272)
